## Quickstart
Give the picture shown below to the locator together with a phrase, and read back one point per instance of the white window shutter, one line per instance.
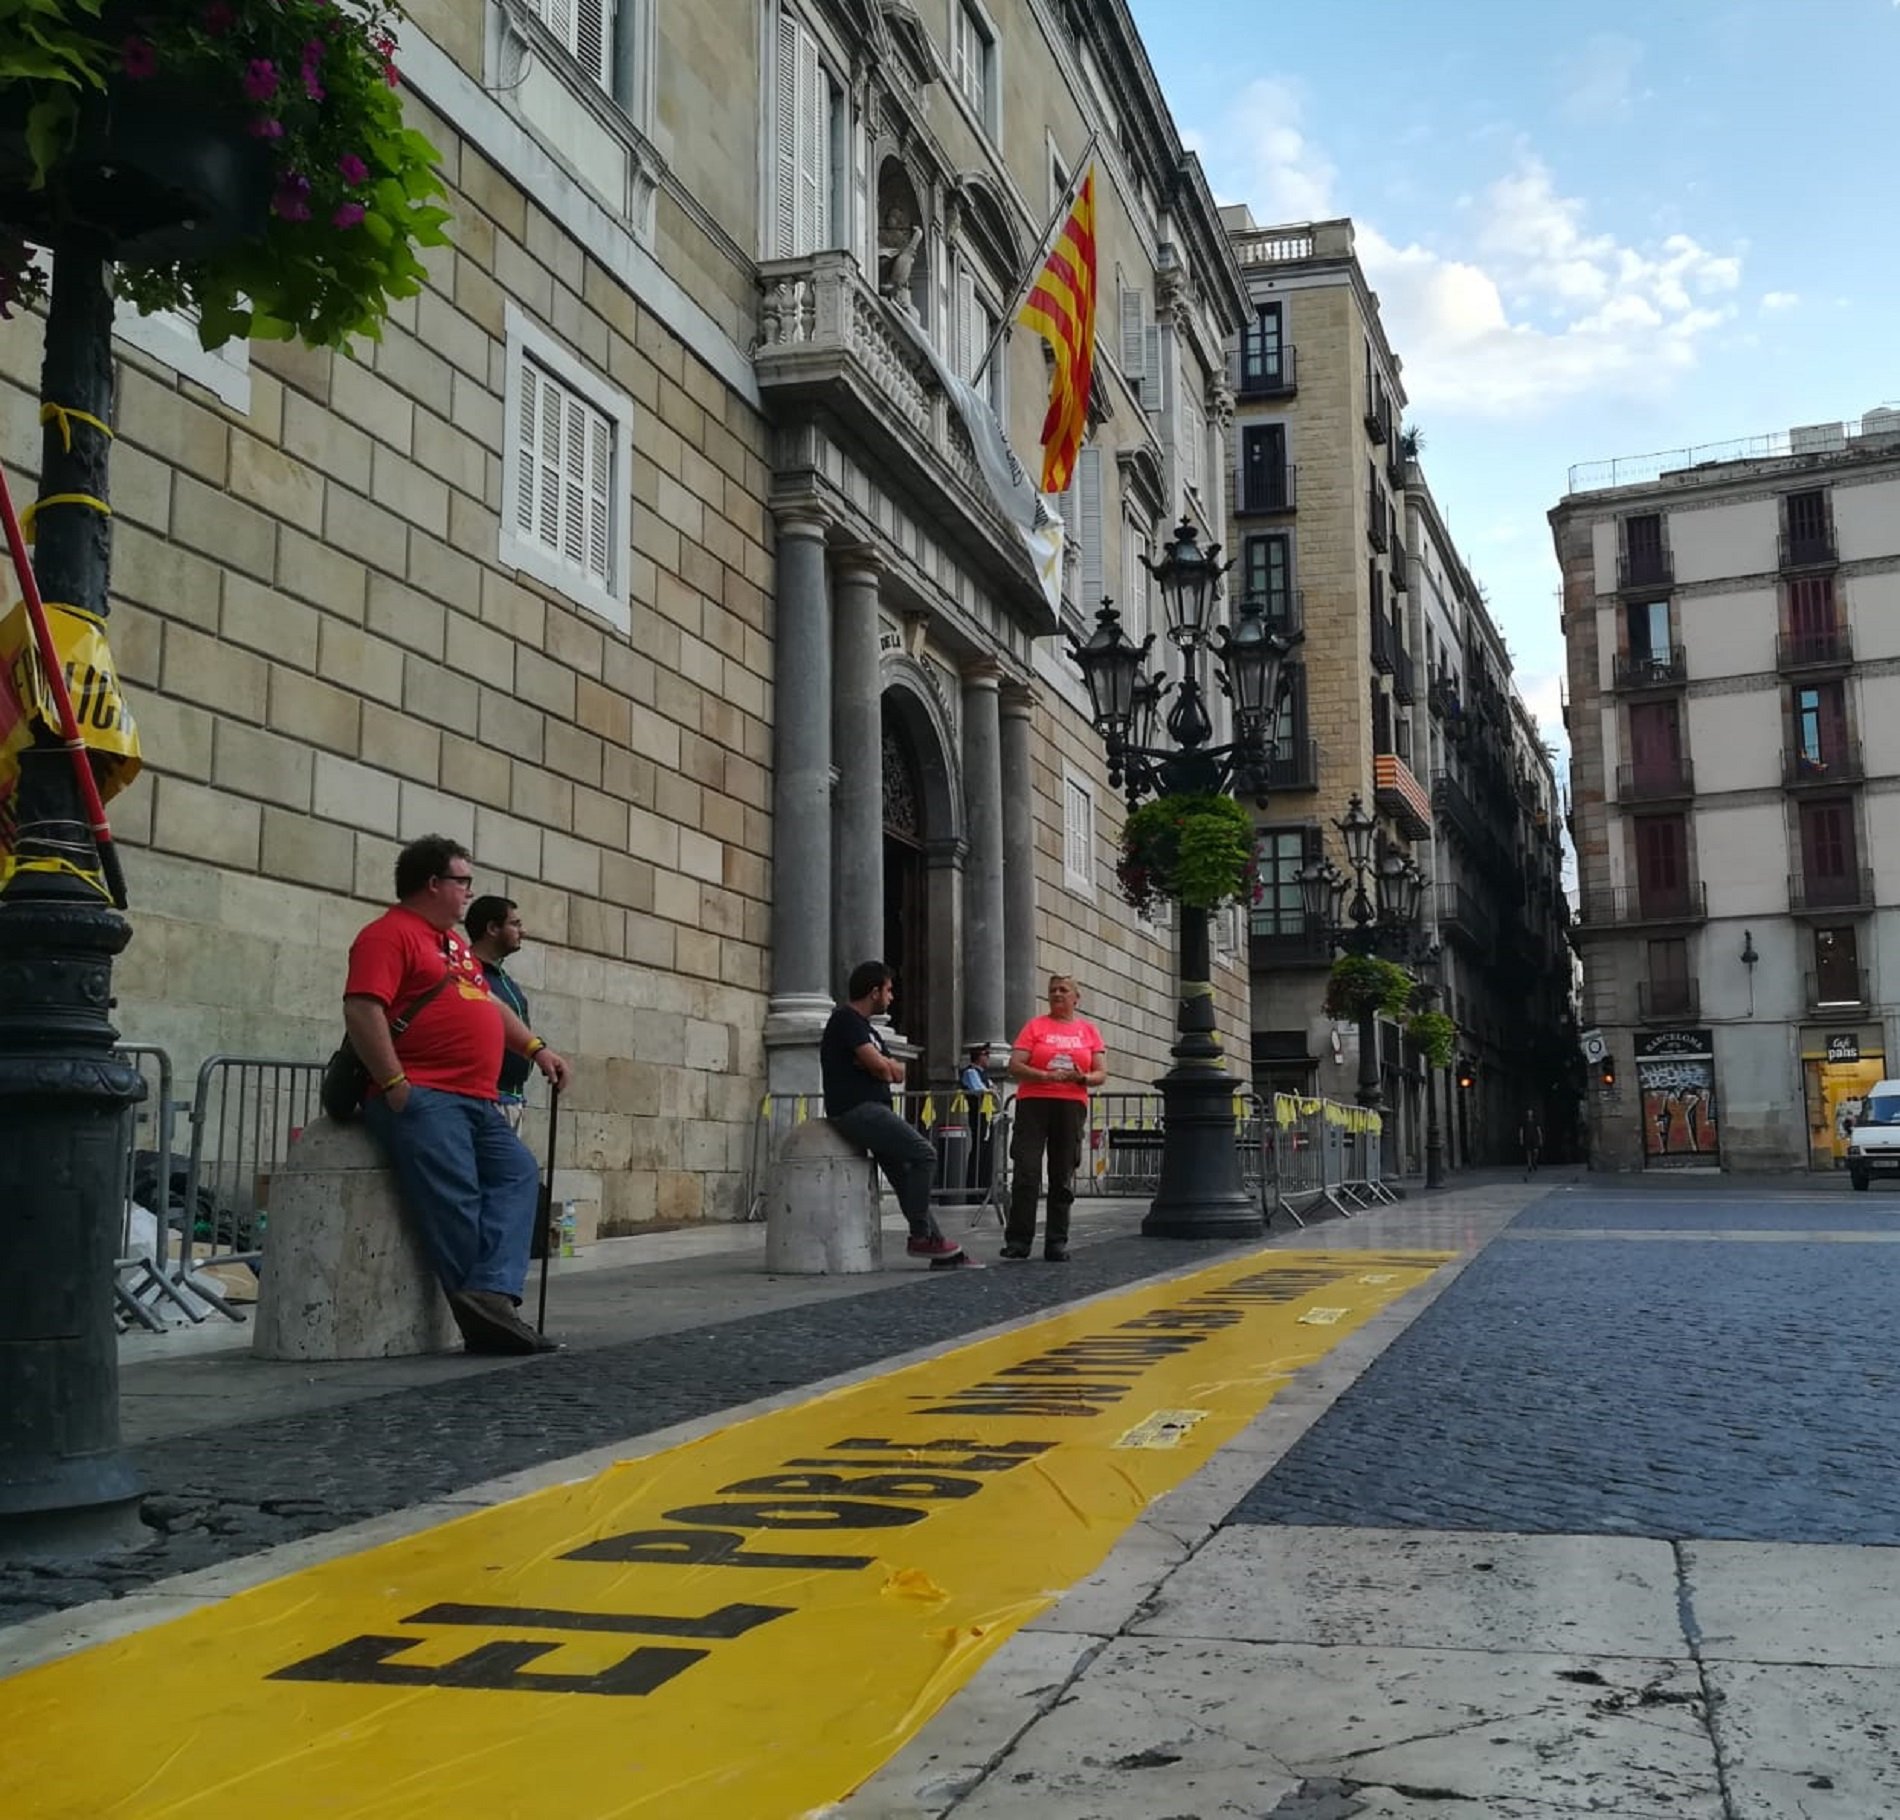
(969, 348)
(594, 39)
(547, 528)
(600, 499)
(1078, 833)
(787, 146)
(1151, 369)
(1134, 307)
(574, 483)
(814, 147)
(1088, 474)
(527, 455)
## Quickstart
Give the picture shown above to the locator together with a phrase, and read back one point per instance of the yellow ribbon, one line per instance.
(9, 865)
(65, 416)
(33, 511)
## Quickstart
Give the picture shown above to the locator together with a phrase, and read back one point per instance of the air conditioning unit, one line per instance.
(1817, 439)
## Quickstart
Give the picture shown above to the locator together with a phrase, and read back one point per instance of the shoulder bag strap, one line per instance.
(399, 1025)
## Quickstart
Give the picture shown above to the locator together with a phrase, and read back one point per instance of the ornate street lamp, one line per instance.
(1200, 1194)
(1431, 967)
(1376, 918)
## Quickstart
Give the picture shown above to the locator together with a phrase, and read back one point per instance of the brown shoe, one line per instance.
(490, 1325)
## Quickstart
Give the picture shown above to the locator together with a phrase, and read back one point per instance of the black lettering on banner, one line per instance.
(1057, 1368)
(914, 1487)
(956, 1444)
(805, 1513)
(719, 1626)
(1174, 1320)
(974, 1462)
(1020, 1400)
(703, 1548)
(491, 1668)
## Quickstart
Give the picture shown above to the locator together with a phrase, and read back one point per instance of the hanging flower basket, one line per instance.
(243, 160)
(1435, 1035)
(1193, 850)
(1362, 983)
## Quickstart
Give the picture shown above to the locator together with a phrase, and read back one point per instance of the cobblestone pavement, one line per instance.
(228, 1491)
(1580, 1378)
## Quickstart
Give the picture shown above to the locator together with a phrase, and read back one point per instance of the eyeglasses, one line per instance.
(465, 879)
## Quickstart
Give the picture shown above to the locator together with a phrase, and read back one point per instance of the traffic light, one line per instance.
(1606, 1073)
(1467, 1074)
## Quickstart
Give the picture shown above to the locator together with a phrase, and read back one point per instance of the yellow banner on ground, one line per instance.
(741, 1628)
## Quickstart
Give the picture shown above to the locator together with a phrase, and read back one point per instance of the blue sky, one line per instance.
(1594, 230)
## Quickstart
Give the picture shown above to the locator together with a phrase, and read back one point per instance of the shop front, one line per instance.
(1675, 1084)
(1838, 1070)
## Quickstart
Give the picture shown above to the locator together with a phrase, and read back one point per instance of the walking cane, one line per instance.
(544, 1216)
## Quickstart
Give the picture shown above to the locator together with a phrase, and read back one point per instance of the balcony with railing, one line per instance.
(1285, 611)
(1643, 568)
(1444, 697)
(1275, 944)
(1273, 488)
(1668, 1001)
(1840, 989)
(1381, 641)
(1845, 892)
(1378, 521)
(1464, 920)
(1398, 793)
(1655, 783)
(1294, 765)
(1631, 906)
(1454, 807)
(1399, 568)
(1378, 418)
(1838, 763)
(1810, 549)
(1818, 648)
(1269, 373)
(1404, 671)
(1396, 459)
(1637, 670)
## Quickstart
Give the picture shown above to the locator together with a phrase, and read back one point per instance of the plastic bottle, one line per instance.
(570, 1225)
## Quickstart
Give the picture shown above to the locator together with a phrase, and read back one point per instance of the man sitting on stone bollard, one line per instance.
(466, 1179)
(859, 1073)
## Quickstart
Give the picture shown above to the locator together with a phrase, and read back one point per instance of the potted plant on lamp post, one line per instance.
(1191, 845)
(246, 162)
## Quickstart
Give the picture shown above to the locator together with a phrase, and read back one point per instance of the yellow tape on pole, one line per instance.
(742, 1628)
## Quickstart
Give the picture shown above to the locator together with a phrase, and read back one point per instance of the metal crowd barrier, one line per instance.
(970, 1134)
(140, 1279)
(244, 1114)
(1324, 1154)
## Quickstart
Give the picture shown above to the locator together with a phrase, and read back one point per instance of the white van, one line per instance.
(1874, 1143)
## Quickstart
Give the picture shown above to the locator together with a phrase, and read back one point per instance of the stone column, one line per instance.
(857, 732)
(983, 926)
(801, 808)
(1020, 997)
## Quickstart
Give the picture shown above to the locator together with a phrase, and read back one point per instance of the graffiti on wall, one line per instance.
(1675, 1078)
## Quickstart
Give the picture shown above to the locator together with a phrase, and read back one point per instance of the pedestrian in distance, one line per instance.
(467, 1180)
(859, 1073)
(1530, 1138)
(978, 1093)
(1055, 1060)
(495, 933)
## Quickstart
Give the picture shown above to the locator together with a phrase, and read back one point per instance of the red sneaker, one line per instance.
(932, 1245)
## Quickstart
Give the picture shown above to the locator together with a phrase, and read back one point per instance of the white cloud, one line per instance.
(1785, 300)
(1262, 156)
(1600, 80)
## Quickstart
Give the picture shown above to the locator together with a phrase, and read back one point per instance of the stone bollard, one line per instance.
(821, 1206)
(344, 1276)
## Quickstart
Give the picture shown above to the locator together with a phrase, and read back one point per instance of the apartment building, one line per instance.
(645, 556)
(1401, 695)
(1732, 615)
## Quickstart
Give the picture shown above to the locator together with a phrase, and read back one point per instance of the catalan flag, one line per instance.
(1061, 309)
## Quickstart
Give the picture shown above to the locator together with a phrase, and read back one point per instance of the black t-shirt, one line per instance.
(846, 1084)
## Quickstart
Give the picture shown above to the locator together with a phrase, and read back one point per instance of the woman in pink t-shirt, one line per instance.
(1055, 1060)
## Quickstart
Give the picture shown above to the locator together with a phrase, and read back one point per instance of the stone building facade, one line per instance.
(684, 612)
(1732, 619)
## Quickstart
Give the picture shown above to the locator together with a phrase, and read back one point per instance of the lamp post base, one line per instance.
(1201, 1195)
(1434, 1161)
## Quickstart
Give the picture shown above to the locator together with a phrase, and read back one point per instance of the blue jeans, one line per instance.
(467, 1181)
(907, 1157)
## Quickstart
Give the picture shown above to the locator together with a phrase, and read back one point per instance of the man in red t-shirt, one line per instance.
(1055, 1060)
(467, 1180)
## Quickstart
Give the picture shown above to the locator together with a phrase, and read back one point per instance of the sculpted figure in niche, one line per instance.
(897, 243)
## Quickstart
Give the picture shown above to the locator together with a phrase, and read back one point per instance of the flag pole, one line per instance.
(1007, 320)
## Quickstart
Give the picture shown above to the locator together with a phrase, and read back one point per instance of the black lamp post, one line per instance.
(1381, 918)
(1200, 1195)
(1429, 965)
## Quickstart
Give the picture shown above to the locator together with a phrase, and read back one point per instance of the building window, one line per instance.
(1649, 634)
(1078, 834)
(973, 327)
(1279, 854)
(1267, 576)
(1193, 436)
(565, 474)
(1265, 481)
(1662, 865)
(1837, 967)
(810, 125)
(1082, 523)
(1643, 556)
(1828, 855)
(1820, 728)
(1140, 347)
(585, 30)
(1138, 548)
(973, 59)
(171, 336)
(1263, 350)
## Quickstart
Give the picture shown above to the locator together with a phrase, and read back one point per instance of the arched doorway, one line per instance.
(906, 893)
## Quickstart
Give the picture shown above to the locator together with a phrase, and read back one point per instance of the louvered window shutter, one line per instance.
(969, 344)
(1151, 368)
(548, 503)
(1089, 486)
(594, 39)
(787, 147)
(814, 147)
(1134, 307)
(600, 499)
(527, 451)
(1078, 833)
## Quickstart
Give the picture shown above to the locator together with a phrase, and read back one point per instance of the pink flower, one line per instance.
(138, 59)
(348, 215)
(292, 201)
(264, 127)
(219, 18)
(260, 79)
(353, 169)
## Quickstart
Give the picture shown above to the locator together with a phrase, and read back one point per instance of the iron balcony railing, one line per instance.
(1274, 489)
(1842, 987)
(1668, 999)
(1654, 783)
(1820, 648)
(1404, 672)
(1619, 905)
(1399, 582)
(1271, 945)
(1852, 889)
(1396, 459)
(1381, 643)
(1274, 376)
(1838, 764)
(1453, 805)
(1462, 918)
(1809, 549)
(1378, 420)
(1664, 669)
(1294, 765)
(1377, 532)
(1645, 569)
(1285, 611)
